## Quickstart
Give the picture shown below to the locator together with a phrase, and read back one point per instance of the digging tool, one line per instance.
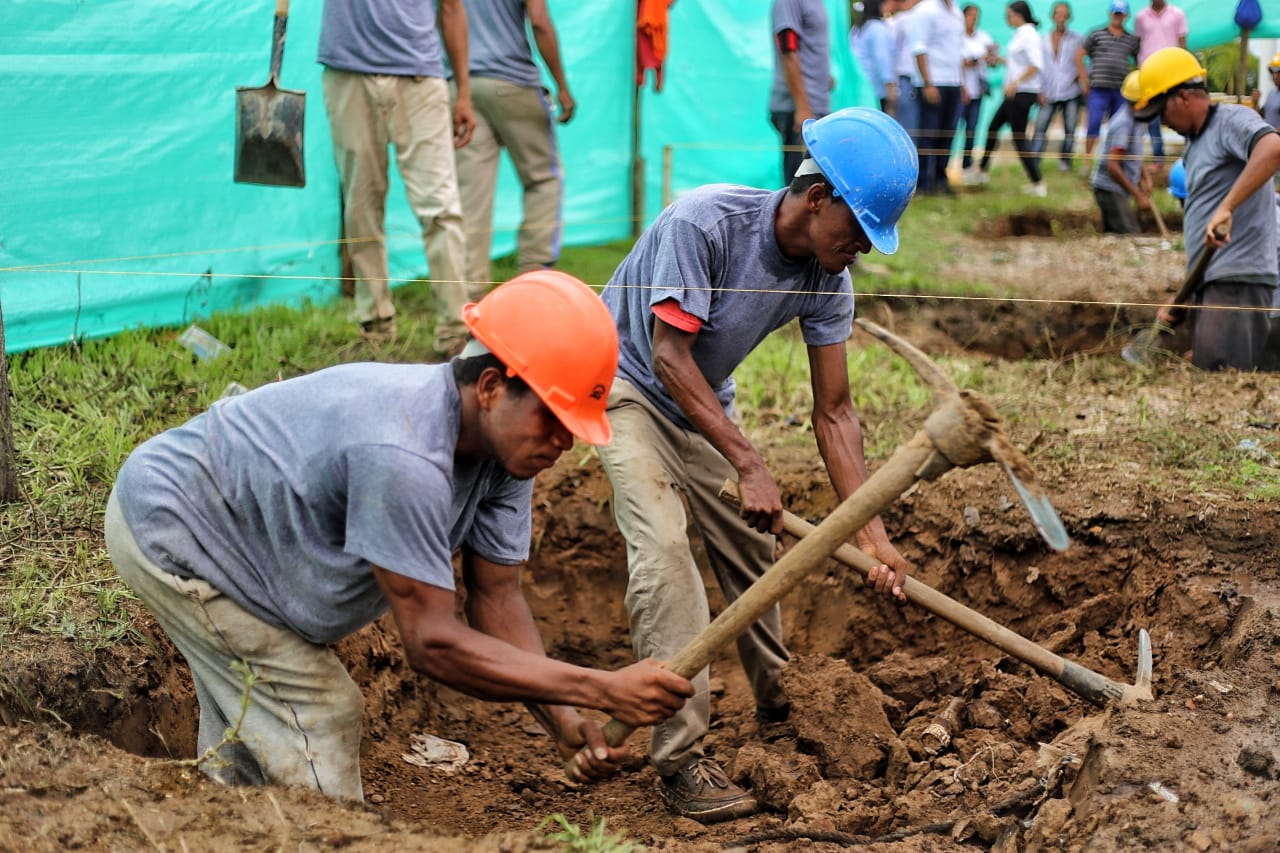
(1155, 208)
(269, 122)
(1086, 683)
(1138, 350)
(963, 430)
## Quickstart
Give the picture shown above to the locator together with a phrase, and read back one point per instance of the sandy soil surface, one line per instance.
(91, 756)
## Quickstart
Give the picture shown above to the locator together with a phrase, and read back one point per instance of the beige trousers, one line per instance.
(653, 464)
(367, 114)
(303, 721)
(519, 119)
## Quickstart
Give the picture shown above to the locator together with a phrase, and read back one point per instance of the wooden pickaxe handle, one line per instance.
(879, 491)
(1084, 682)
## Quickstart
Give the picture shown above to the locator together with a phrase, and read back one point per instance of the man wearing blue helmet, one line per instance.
(717, 272)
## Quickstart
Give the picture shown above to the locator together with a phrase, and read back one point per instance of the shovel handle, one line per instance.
(277, 38)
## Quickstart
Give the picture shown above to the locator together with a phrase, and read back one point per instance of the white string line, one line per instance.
(863, 293)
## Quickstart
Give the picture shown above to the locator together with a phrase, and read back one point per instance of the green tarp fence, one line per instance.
(117, 207)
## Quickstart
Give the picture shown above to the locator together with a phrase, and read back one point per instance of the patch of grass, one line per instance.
(597, 839)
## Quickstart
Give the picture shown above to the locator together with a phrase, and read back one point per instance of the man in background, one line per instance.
(384, 86)
(1160, 25)
(513, 112)
(937, 43)
(802, 80)
(1061, 90)
(1112, 52)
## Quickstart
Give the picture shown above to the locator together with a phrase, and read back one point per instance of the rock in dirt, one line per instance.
(776, 773)
(839, 715)
(1258, 761)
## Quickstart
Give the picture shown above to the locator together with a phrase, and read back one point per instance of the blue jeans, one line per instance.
(1070, 114)
(937, 132)
(1157, 138)
(1102, 105)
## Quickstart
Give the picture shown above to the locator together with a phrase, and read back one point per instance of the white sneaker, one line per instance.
(973, 176)
(1038, 190)
(1064, 166)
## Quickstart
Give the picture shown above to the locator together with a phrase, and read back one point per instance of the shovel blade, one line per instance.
(269, 122)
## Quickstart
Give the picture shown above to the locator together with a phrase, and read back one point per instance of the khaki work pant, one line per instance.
(304, 717)
(653, 463)
(519, 119)
(368, 113)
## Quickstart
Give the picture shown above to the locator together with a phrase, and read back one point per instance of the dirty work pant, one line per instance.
(304, 717)
(1230, 338)
(368, 113)
(651, 463)
(519, 119)
(1117, 212)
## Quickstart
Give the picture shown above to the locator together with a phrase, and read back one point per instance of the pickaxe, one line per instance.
(963, 430)
(1084, 682)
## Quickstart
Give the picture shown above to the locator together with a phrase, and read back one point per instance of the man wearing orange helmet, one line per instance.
(282, 520)
(1231, 157)
(719, 270)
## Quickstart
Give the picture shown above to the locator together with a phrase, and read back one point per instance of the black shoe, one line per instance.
(701, 790)
(779, 714)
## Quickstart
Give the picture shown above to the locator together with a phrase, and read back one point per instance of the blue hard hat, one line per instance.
(1178, 180)
(871, 163)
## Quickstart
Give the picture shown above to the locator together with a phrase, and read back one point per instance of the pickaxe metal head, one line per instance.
(966, 430)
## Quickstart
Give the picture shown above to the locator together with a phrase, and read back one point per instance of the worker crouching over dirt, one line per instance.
(284, 519)
(719, 270)
(1230, 158)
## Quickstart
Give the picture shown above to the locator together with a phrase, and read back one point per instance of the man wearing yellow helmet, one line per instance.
(1231, 156)
(280, 521)
(1271, 106)
(1117, 179)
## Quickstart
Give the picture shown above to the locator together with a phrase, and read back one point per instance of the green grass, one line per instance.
(597, 839)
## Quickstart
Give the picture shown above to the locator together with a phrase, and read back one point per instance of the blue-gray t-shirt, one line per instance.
(714, 251)
(281, 498)
(1124, 133)
(397, 37)
(1214, 159)
(808, 20)
(497, 43)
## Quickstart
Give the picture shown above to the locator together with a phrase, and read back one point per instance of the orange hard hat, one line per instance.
(556, 334)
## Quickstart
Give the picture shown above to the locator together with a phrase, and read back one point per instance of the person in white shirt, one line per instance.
(1023, 61)
(1060, 85)
(979, 54)
(937, 37)
(907, 109)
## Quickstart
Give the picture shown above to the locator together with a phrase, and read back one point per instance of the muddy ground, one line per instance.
(91, 756)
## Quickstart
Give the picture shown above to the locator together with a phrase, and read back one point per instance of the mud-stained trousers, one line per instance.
(1227, 338)
(302, 724)
(519, 119)
(368, 113)
(652, 463)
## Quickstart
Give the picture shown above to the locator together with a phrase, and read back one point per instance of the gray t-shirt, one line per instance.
(1214, 159)
(714, 251)
(281, 498)
(808, 20)
(497, 43)
(1124, 133)
(381, 37)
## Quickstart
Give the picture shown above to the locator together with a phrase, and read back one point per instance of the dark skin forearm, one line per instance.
(674, 366)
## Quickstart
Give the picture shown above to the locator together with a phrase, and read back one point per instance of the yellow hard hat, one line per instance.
(1274, 64)
(1164, 71)
(1131, 88)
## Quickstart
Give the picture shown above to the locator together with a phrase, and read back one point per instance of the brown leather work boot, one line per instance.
(702, 790)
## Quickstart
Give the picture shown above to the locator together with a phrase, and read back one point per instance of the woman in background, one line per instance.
(1024, 58)
(872, 45)
(979, 54)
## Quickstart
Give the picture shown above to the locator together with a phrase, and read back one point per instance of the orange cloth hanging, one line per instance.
(651, 39)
